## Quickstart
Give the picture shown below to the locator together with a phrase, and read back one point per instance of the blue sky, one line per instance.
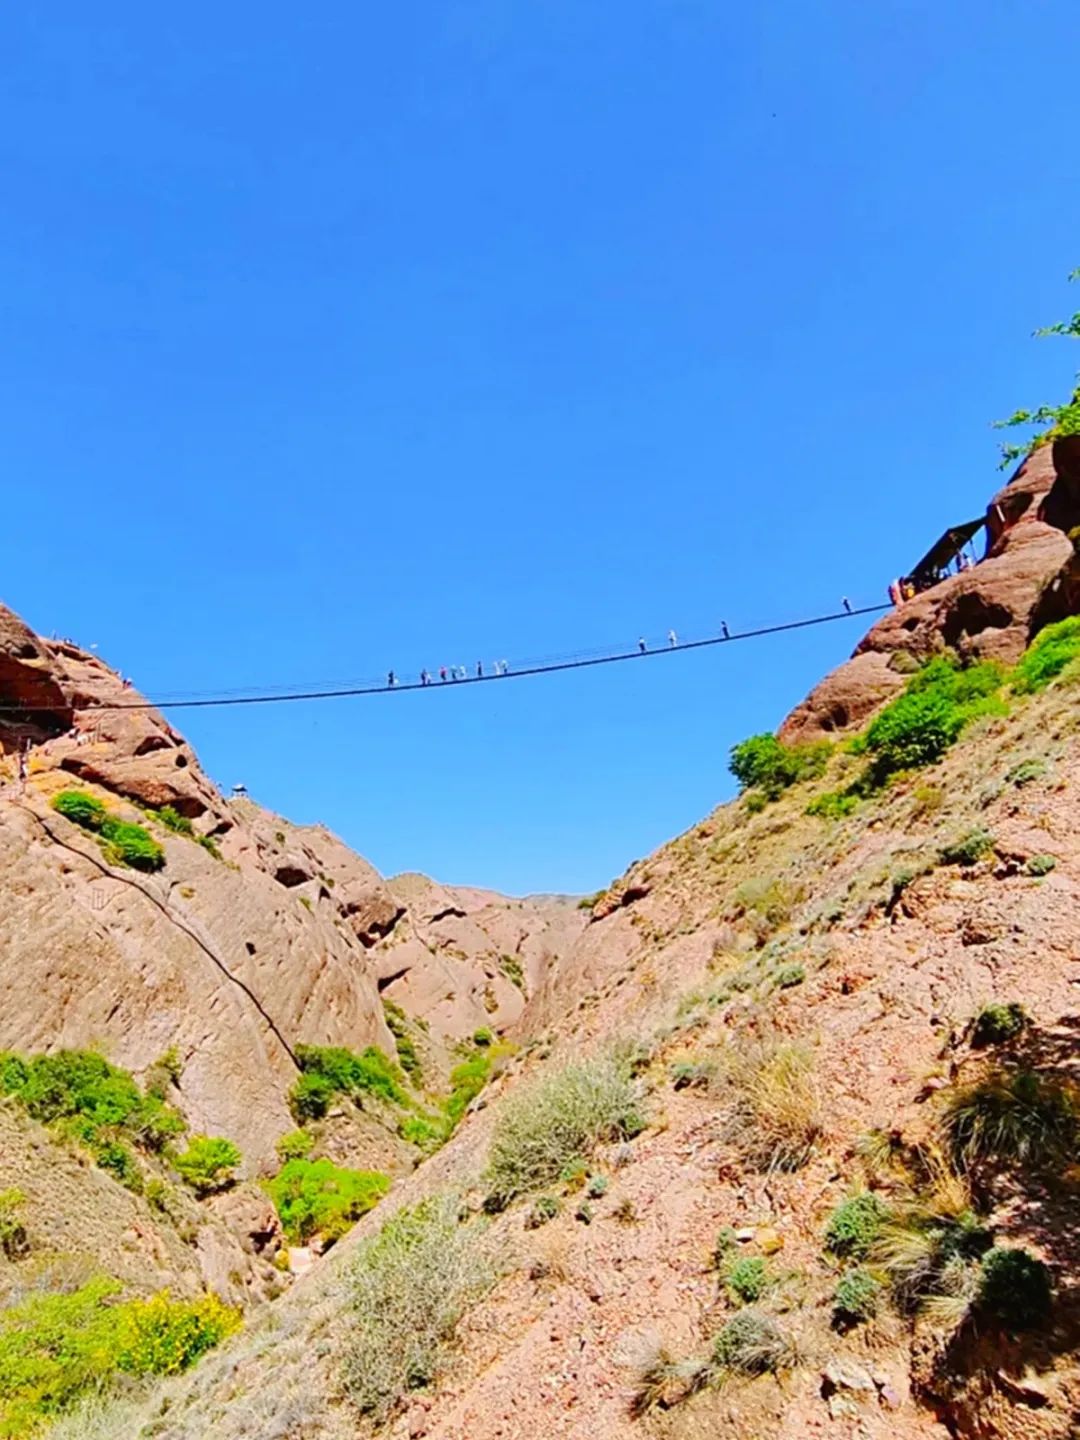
(345, 337)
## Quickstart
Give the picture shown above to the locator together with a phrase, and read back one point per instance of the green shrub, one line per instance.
(174, 821)
(81, 808)
(790, 975)
(466, 1082)
(483, 1037)
(1046, 657)
(1025, 772)
(597, 1187)
(209, 844)
(131, 845)
(764, 762)
(318, 1197)
(370, 1072)
(855, 1225)
(834, 804)
(726, 1241)
(917, 728)
(998, 1023)
(14, 1238)
(1019, 1117)
(556, 1119)
(162, 1336)
(543, 1209)
(1014, 1288)
(855, 1298)
(930, 1256)
(411, 1283)
(311, 1097)
(747, 1279)
(752, 1344)
(1039, 865)
(208, 1163)
(969, 849)
(424, 1131)
(296, 1145)
(94, 1104)
(510, 965)
(57, 1348)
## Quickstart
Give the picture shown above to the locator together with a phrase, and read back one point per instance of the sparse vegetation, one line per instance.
(208, 1164)
(543, 1209)
(1025, 772)
(790, 975)
(1058, 420)
(14, 1238)
(968, 849)
(174, 821)
(775, 1111)
(556, 1119)
(834, 804)
(397, 1023)
(318, 1197)
(752, 1343)
(928, 1252)
(995, 1024)
(762, 762)
(411, 1283)
(510, 965)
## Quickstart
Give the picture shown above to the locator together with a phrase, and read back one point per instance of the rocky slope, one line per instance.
(771, 974)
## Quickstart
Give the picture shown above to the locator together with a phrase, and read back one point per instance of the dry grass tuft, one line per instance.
(776, 1114)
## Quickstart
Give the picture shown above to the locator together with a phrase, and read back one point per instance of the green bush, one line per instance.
(370, 1072)
(131, 845)
(555, 1119)
(208, 1163)
(969, 849)
(81, 808)
(833, 805)
(14, 1238)
(764, 762)
(855, 1225)
(997, 1023)
(426, 1132)
(1014, 1288)
(1046, 657)
(162, 1336)
(174, 821)
(920, 725)
(398, 1024)
(929, 1257)
(1018, 1117)
(747, 1279)
(544, 1208)
(319, 1197)
(855, 1298)
(752, 1344)
(311, 1097)
(411, 1283)
(94, 1104)
(466, 1082)
(483, 1037)
(1039, 865)
(57, 1348)
(597, 1187)
(296, 1145)
(790, 975)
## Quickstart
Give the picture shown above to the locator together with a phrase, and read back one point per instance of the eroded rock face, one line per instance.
(286, 937)
(989, 612)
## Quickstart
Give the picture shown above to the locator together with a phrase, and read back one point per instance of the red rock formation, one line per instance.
(989, 612)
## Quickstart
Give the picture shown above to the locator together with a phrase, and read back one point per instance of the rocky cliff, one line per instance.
(264, 937)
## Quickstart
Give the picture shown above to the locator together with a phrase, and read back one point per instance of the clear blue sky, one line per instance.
(340, 337)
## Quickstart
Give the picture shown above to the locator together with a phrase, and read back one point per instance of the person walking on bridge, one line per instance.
(672, 639)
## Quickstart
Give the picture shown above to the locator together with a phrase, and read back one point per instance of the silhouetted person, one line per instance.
(846, 604)
(642, 647)
(479, 669)
(672, 639)
(723, 627)
(442, 672)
